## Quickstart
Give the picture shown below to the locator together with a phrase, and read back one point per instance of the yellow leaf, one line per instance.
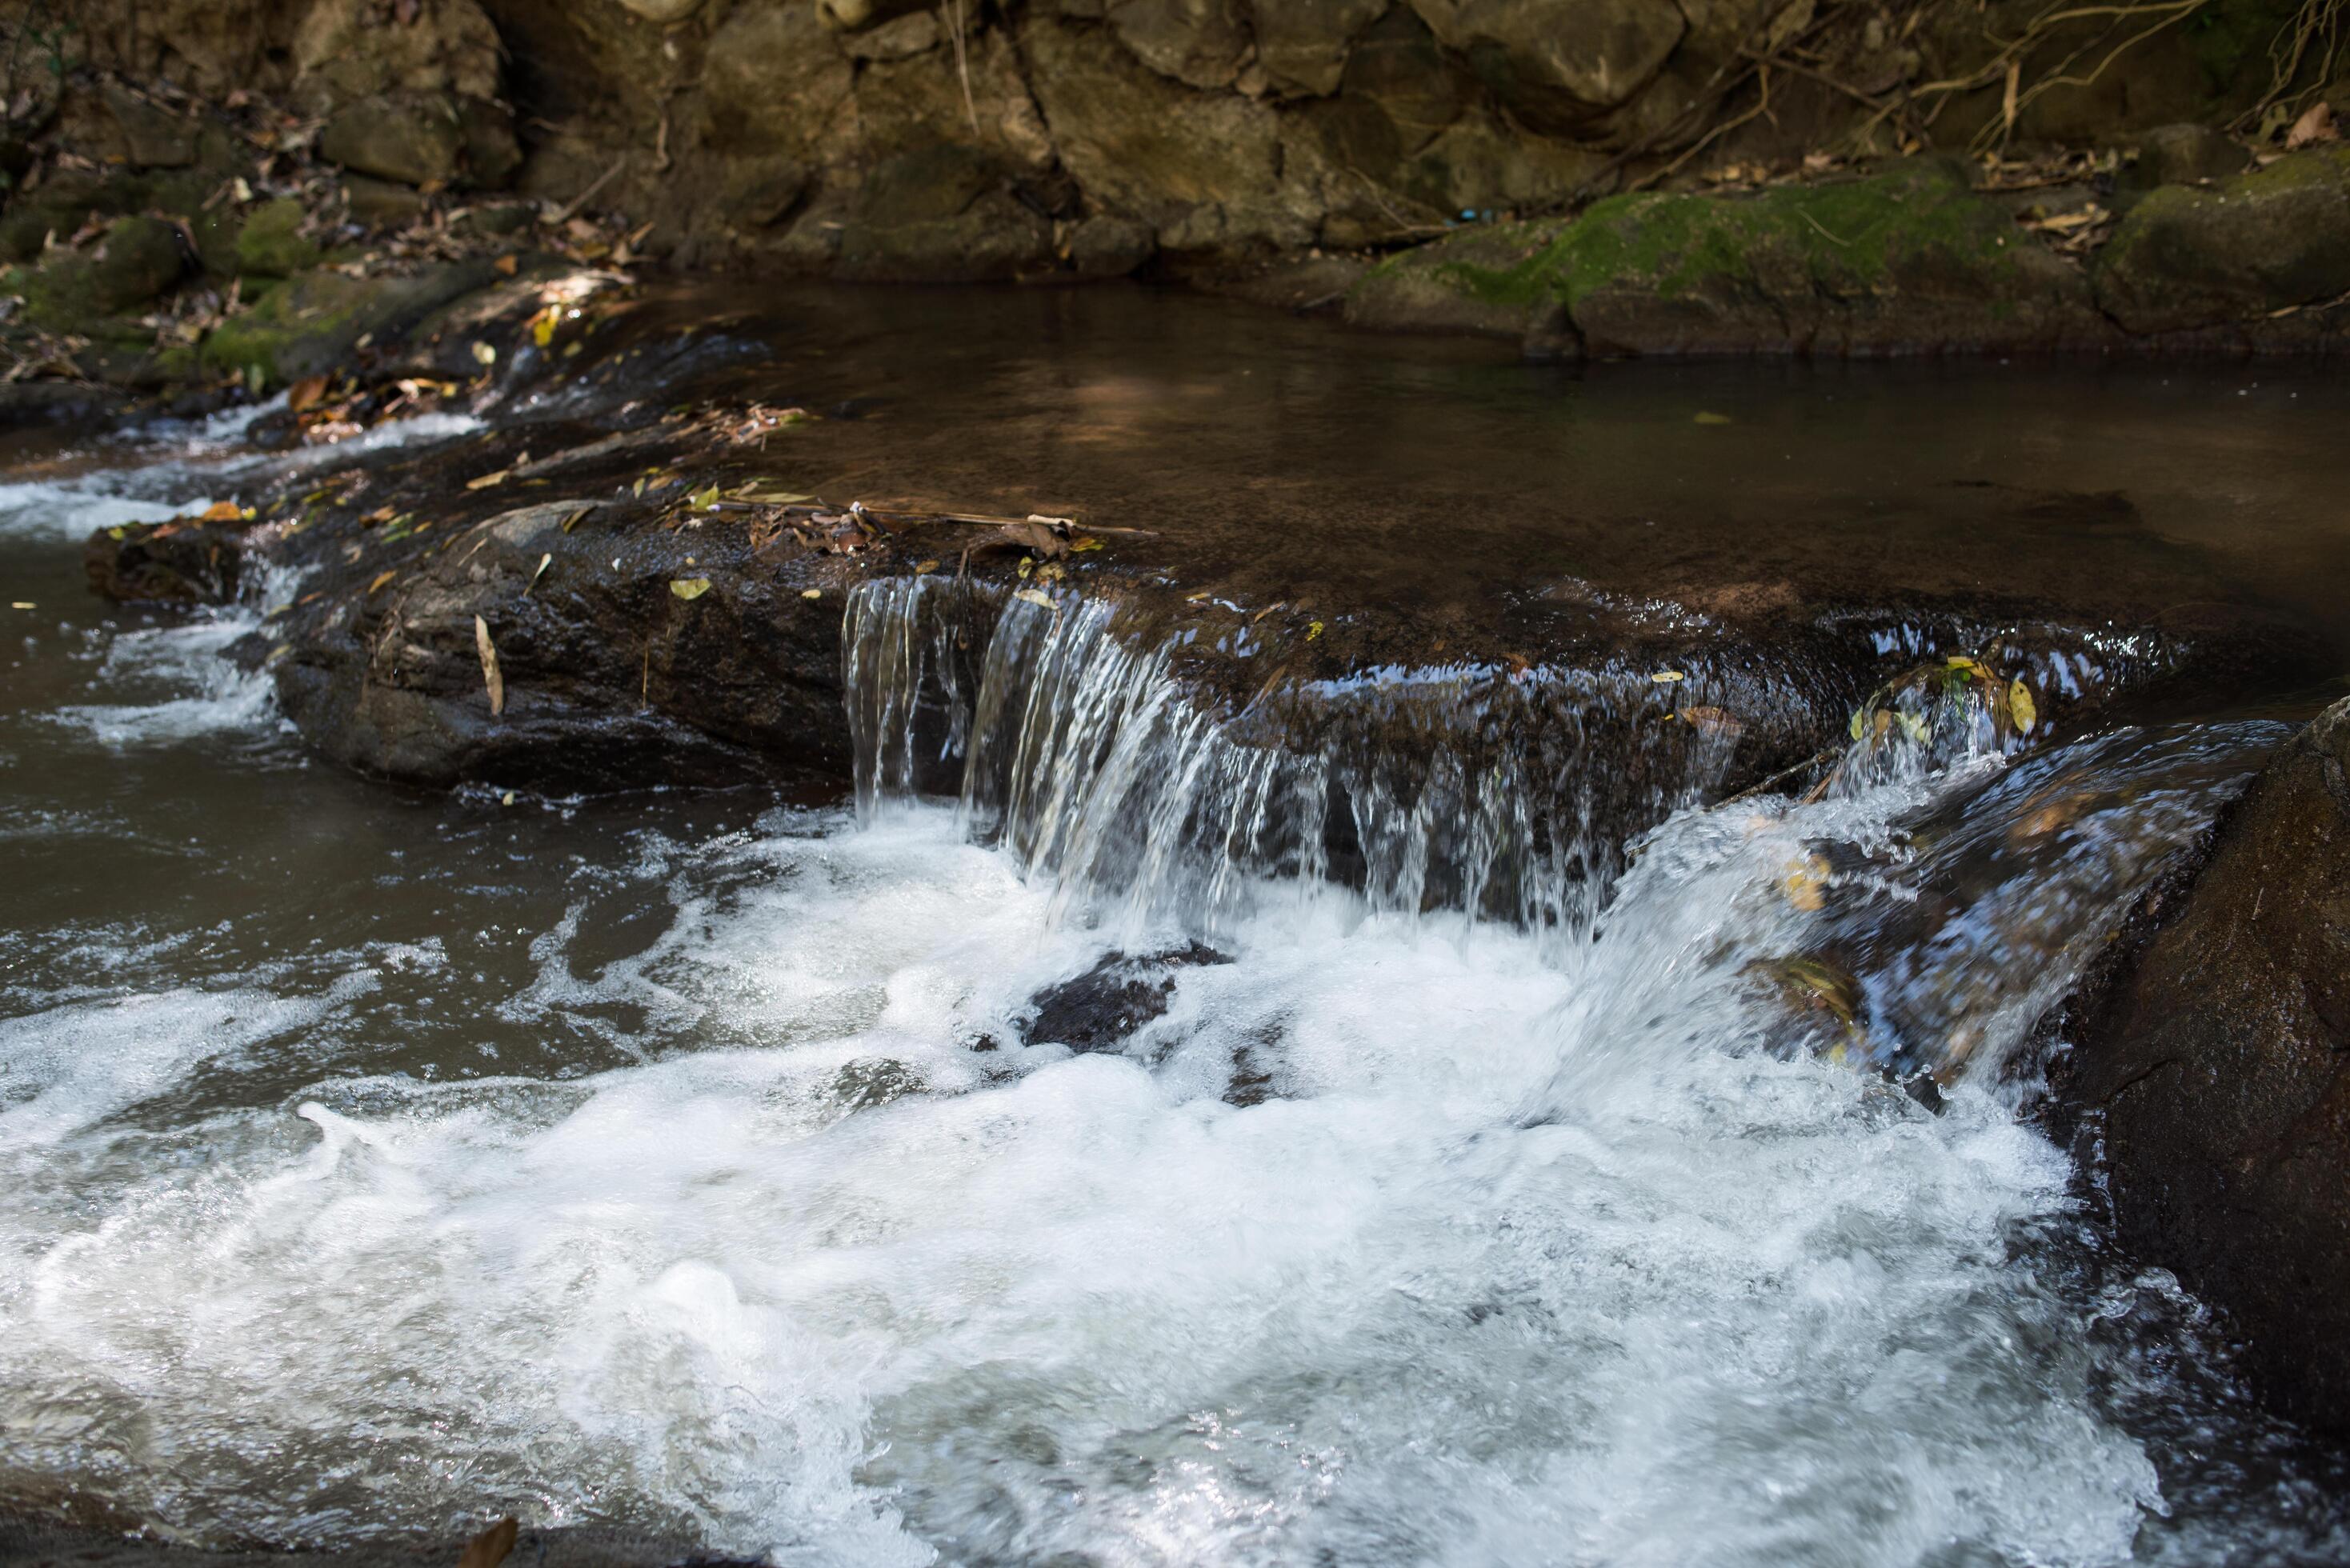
(2021, 707)
(544, 561)
(488, 481)
(576, 514)
(1804, 882)
(484, 355)
(707, 496)
(689, 587)
(490, 678)
(1313, 631)
(1858, 714)
(506, 799)
(541, 326)
(221, 512)
(1960, 661)
(1088, 543)
(811, 592)
(922, 568)
(382, 578)
(1713, 419)
(1035, 596)
(21, 604)
(1667, 677)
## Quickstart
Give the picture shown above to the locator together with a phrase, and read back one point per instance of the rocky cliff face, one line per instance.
(971, 138)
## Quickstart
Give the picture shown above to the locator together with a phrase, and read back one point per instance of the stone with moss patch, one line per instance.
(138, 259)
(2186, 259)
(271, 244)
(1485, 279)
(309, 324)
(1907, 261)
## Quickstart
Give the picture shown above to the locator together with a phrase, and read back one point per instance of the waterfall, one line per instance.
(1070, 742)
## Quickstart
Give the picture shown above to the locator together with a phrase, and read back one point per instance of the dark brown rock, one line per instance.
(2186, 258)
(2183, 155)
(1303, 44)
(2216, 1077)
(412, 140)
(609, 677)
(183, 562)
(1201, 43)
(1558, 65)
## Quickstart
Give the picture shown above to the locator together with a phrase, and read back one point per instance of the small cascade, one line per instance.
(1509, 794)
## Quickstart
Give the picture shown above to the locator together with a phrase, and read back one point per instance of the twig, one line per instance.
(571, 209)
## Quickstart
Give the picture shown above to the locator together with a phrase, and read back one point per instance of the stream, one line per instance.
(1070, 1162)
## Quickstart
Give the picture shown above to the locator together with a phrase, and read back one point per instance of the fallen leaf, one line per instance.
(2021, 707)
(1313, 630)
(1088, 543)
(922, 568)
(305, 393)
(483, 354)
(488, 481)
(506, 799)
(1805, 882)
(689, 587)
(1668, 677)
(221, 512)
(1035, 596)
(576, 514)
(811, 592)
(1036, 534)
(544, 561)
(22, 603)
(505, 265)
(489, 1549)
(1706, 419)
(382, 578)
(490, 676)
(1712, 721)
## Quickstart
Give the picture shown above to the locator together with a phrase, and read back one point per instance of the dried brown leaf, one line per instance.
(490, 678)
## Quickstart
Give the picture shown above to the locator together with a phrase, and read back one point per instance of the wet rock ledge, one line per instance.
(2214, 1078)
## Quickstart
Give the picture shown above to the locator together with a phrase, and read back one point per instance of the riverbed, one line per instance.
(374, 1161)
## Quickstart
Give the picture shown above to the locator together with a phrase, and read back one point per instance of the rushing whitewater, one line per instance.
(368, 1167)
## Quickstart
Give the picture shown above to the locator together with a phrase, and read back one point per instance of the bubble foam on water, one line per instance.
(1522, 1260)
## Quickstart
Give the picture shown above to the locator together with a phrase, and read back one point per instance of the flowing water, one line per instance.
(1488, 1190)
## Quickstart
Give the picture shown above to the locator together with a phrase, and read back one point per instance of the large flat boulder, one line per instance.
(2188, 257)
(1911, 260)
(2216, 1077)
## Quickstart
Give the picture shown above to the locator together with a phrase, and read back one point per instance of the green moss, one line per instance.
(1844, 236)
(271, 244)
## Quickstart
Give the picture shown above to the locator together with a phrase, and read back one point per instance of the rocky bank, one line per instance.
(255, 188)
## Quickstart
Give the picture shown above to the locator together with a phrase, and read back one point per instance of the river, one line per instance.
(706, 1164)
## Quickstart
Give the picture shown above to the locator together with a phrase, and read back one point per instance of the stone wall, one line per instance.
(987, 138)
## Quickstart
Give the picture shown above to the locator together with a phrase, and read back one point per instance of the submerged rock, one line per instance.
(2215, 1077)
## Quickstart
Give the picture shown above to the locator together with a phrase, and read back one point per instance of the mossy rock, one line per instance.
(1484, 280)
(271, 244)
(311, 323)
(1907, 261)
(2186, 258)
(138, 259)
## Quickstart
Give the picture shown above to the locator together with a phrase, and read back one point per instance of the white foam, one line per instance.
(1523, 1261)
(73, 509)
